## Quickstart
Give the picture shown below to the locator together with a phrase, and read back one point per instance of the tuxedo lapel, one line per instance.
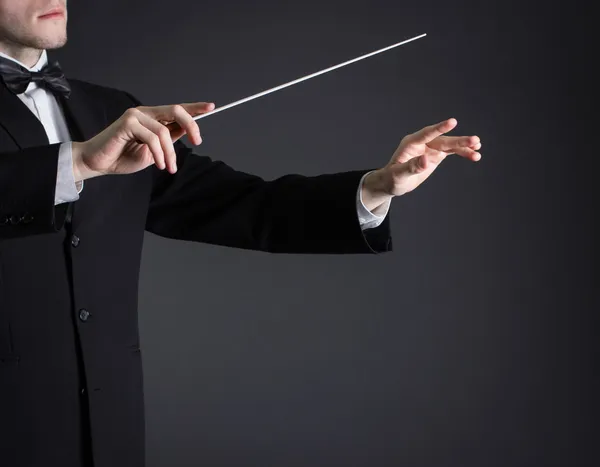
(85, 116)
(20, 123)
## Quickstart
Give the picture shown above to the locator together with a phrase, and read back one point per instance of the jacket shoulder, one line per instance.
(104, 93)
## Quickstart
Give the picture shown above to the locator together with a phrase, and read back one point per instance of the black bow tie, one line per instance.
(17, 78)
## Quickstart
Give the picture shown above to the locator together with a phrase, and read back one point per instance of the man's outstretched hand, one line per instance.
(417, 156)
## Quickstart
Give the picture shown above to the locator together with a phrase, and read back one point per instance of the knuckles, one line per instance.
(164, 133)
(132, 111)
(130, 116)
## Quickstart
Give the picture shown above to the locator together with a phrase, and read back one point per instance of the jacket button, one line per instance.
(27, 218)
(15, 219)
(4, 220)
(84, 314)
(75, 241)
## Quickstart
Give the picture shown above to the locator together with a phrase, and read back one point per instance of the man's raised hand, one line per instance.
(142, 136)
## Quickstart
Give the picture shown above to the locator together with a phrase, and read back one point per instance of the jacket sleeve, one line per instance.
(27, 192)
(208, 201)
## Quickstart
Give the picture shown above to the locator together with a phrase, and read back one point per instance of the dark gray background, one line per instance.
(471, 343)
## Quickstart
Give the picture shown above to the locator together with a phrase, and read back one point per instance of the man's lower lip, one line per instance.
(53, 15)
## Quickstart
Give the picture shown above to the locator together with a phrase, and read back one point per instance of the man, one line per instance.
(84, 171)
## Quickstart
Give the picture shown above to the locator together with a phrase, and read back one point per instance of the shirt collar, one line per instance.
(37, 67)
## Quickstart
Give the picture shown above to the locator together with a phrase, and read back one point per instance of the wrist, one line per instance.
(80, 170)
(375, 190)
(377, 183)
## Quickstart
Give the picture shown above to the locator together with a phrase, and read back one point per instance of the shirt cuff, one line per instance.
(366, 218)
(66, 188)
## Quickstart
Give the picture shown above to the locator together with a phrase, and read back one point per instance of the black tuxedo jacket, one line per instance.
(71, 381)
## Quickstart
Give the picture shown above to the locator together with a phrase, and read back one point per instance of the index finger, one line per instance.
(197, 108)
(166, 113)
(429, 133)
(193, 109)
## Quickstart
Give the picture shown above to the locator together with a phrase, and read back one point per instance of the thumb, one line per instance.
(413, 166)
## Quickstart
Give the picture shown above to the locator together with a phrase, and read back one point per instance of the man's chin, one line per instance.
(57, 45)
(49, 43)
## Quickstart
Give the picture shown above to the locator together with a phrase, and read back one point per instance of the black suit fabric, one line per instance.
(71, 383)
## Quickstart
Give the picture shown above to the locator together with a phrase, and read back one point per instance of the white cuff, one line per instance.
(366, 218)
(66, 188)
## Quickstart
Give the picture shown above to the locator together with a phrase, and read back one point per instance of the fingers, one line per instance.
(435, 156)
(155, 135)
(429, 133)
(147, 123)
(450, 143)
(187, 123)
(468, 153)
(432, 158)
(146, 136)
(197, 108)
(167, 112)
(163, 135)
(178, 118)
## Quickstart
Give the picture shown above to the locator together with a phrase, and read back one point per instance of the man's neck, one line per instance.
(25, 55)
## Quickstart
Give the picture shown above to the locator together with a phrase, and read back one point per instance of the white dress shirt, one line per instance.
(45, 107)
